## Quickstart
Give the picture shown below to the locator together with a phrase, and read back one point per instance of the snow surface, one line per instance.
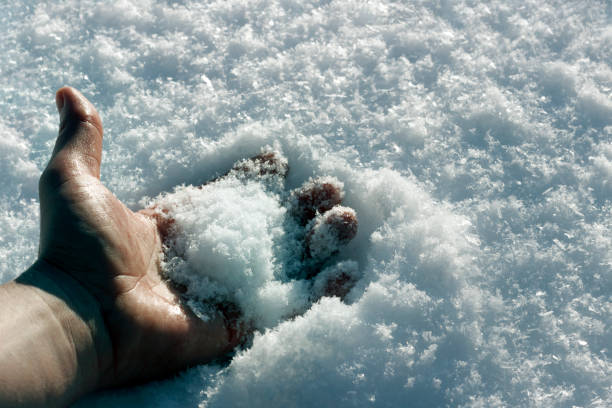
(474, 141)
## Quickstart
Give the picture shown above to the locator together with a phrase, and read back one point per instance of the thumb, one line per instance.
(78, 148)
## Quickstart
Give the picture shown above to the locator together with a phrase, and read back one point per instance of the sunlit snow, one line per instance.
(473, 139)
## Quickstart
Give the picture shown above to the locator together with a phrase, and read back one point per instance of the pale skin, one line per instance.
(93, 311)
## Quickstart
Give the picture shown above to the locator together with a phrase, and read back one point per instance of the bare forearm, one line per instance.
(50, 341)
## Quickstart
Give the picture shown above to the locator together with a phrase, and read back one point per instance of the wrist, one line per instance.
(82, 343)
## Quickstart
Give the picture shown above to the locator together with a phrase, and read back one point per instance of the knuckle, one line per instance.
(52, 177)
(74, 120)
(48, 178)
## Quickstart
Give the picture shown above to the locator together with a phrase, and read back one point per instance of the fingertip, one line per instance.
(59, 100)
(80, 131)
(72, 105)
(316, 196)
(265, 164)
(336, 280)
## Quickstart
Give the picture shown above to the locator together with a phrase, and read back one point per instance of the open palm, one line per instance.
(89, 236)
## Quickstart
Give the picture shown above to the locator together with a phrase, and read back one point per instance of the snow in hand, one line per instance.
(473, 141)
(232, 244)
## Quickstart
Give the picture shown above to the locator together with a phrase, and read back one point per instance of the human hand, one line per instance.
(112, 253)
(245, 243)
(94, 310)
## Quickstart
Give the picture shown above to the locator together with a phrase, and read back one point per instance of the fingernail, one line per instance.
(59, 102)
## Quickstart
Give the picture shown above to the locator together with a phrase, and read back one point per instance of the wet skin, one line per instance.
(94, 301)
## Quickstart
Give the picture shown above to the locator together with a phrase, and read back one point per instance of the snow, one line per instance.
(473, 140)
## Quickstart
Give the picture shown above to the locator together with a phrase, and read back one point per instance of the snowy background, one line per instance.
(474, 140)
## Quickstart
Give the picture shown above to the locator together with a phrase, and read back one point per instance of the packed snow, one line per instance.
(473, 141)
